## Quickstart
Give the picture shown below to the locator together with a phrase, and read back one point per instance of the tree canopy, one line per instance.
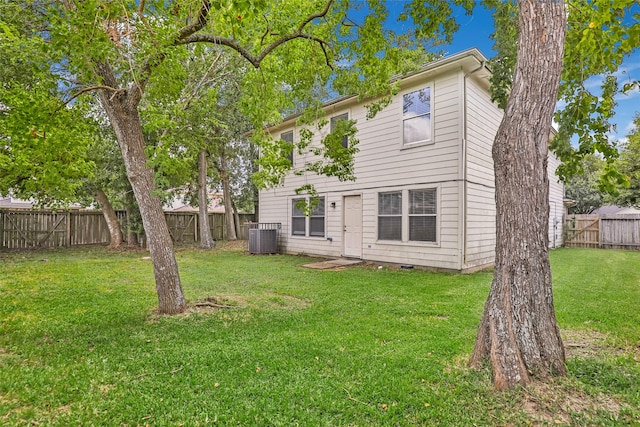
(132, 55)
(43, 142)
(628, 164)
(600, 35)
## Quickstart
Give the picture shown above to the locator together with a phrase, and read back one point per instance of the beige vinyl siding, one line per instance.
(457, 162)
(483, 119)
(383, 164)
(556, 206)
(443, 254)
(481, 226)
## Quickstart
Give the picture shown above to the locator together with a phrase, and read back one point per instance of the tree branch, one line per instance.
(198, 24)
(137, 89)
(255, 60)
(89, 89)
(316, 15)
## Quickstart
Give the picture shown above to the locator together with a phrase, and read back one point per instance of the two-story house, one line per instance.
(424, 193)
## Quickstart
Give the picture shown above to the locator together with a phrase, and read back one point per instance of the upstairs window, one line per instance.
(334, 122)
(288, 137)
(416, 116)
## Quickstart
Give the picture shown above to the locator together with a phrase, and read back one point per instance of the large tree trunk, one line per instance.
(518, 331)
(115, 232)
(206, 240)
(226, 194)
(126, 124)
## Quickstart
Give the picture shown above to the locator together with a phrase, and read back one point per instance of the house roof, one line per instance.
(471, 61)
(617, 210)
(10, 202)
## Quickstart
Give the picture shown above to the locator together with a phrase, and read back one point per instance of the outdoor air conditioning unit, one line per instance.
(263, 241)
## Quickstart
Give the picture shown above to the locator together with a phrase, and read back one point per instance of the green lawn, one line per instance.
(80, 344)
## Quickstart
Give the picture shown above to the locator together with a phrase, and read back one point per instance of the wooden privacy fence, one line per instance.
(603, 231)
(25, 229)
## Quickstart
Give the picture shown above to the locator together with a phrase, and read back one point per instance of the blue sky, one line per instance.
(475, 31)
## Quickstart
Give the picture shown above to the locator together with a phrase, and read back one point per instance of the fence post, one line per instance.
(600, 232)
(224, 224)
(195, 227)
(68, 229)
(1, 229)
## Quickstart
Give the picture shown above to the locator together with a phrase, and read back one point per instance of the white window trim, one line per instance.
(307, 222)
(431, 140)
(389, 215)
(306, 226)
(409, 215)
(335, 116)
(293, 139)
(405, 217)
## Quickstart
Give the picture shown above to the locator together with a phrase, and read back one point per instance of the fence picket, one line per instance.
(603, 231)
(24, 229)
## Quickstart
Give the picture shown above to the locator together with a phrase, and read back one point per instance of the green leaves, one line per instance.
(505, 19)
(600, 34)
(434, 20)
(42, 141)
(628, 164)
(43, 151)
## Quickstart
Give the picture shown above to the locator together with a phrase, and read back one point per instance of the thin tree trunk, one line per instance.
(236, 218)
(126, 124)
(518, 332)
(115, 232)
(256, 192)
(131, 209)
(206, 240)
(226, 194)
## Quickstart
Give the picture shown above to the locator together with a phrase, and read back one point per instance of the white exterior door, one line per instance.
(352, 229)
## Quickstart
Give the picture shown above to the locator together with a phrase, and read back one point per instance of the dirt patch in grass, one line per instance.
(6, 356)
(236, 245)
(283, 302)
(221, 245)
(593, 344)
(268, 301)
(561, 403)
(214, 303)
(579, 343)
(552, 403)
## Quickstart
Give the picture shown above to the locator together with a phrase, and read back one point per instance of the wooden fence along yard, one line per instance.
(26, 229)
(603, 231)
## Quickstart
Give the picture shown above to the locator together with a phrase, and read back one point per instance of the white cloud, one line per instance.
(627, 69)
(627, 97)
(630, 127)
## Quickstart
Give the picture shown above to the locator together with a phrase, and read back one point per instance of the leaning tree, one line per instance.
(128, 52)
